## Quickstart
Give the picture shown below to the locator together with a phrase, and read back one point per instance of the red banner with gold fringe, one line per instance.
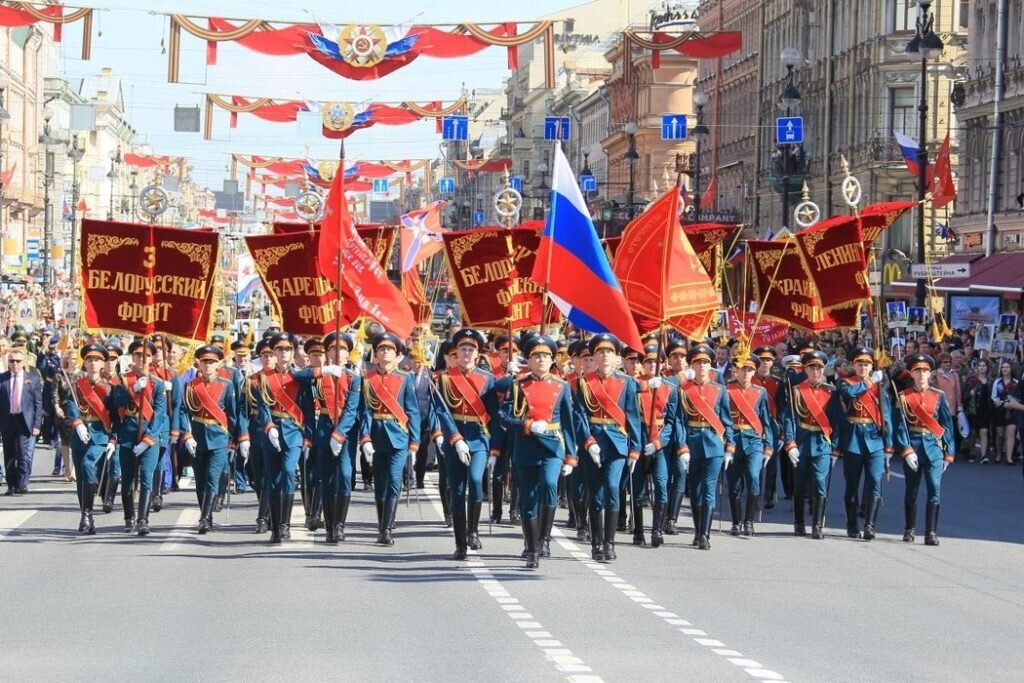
(833, 256)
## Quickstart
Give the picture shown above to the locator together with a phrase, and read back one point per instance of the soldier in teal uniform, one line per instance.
(335, 435)
(250, 405)
(309, 465)
(501, 363)
(110, 470)
(677, 374)
(213, 427)
(925, 440)
(237, 379)
(609, 415)
(772, 384)
(539, 410)
(576, 483)
(138, 409)
(754, 432)
(170, 428)
(465, 411)
(86, 409)
(865, 440)
(659, 416)
(812, 414)
(389, 427)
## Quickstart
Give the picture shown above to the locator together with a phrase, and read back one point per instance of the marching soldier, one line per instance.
(110, 474)
(704, 406)
(678, 374)
(540, 412)
(659, 416)
(138, 409)
(235, 376)
(764, 378)
(608, 411)
(575, 483)
(335, 435)
(309, 465)
(632, 368)
(502, 361)
(925, 440)
(212, 428)
(170, 429)
(258, 443)
(449, 358)
(866, 439)
(753, 427)
(389, 428)
(809, 426)
(466, 408)
(86, 408)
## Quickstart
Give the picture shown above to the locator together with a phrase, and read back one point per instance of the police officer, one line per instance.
(865, 440)
(659, 417)
(466, 409)
(810, 434)
(86, 409)
(609, 413)
(139, 409)
(389, 427)
(704, 406)
(539, 410)
(925, 440)
(335, 435)
(212, 425)
(753, 427)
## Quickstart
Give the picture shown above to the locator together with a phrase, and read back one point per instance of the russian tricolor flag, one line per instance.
(909, 149)
(574, 268)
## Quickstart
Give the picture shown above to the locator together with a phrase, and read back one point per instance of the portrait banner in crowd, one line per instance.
(143, 279)
(833, 256)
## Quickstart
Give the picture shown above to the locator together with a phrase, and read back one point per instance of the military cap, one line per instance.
(467, 335)
(503, 341)
(93, 350)
(285, 339)
(240, 346)
(700, 352)
(210, 352)
(650, 352)
(263, 345)
(114, 352)
(676, 345)
(144, 345)
(313, 345)
(160, 341)
(445, 347)
(346, 340)
(814, 358)
(19, 337)
(267, 334)
(218, 338)
(628, 353)
(862, 353)
(577, 347)
(807, 347)
(537, 344)
(765, 352)
(54, 340)
(920, 361)
(563, 346)
(604, 340)
(388, 339)
(792, 361)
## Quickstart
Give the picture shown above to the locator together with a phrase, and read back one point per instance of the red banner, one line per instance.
(380, 239)
(833, 256)
(144, 279)
(768, 333)
(490, 271)
(705, 238)
(876, 218)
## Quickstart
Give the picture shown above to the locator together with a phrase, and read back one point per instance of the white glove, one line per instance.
(335, 447)
(688, 373)
(631, 464)
(491, 462)
(243, 449)
(167, 387)
(140, 448)
(332, 370)
(274, 437)
(728, 460)
(594, 451)
(190, 446)
(83, 433)
(650, 449)
(462, 450)
(945, 466)
(140, 384)
(109, 449)
(539, 426)
(439, 442)
(794, 455)
(513, 367)
(911, 461)
(567, 470)
(876, 376)
(654, 382)
(685, 458)
(834, 458)
(368, 451)
(963, 424)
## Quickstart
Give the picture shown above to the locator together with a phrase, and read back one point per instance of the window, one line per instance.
(902, 110)
(904, 15)
(965, 13)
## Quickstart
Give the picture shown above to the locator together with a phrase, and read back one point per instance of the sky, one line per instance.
(127, 38)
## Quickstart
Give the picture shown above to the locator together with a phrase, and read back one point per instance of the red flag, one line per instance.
(941, 181)
(376, 296)
(6, 176)
(708, 198)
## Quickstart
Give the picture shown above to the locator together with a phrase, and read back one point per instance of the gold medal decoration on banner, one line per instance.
(337, 116)
(310, 207)
(363, 45)
(327, 169)
(153, 201)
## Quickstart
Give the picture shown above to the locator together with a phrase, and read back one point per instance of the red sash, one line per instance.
(693, 393)
(283, 398)
(470, 394)
(210, 403)
(739, 399)
(869, 400)
(608, 404)
(380, 388)
(146, 403)
(87, 390)
(652, 401)
(923, 412)
(334, 388)
(816, 410)
(771, 385)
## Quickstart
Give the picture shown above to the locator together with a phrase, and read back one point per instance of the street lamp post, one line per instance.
(542, 188)
(790, 99)
(47, 143)
(700, 135)
(115, 159)
(925, 45)
(75, 153)
(5, 116)
(631, 157)
(133, 189)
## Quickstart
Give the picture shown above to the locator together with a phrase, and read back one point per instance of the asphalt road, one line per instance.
(176, 606)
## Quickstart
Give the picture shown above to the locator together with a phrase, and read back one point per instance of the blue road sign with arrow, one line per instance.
(455, 127)
(673, 127)
(789, 130)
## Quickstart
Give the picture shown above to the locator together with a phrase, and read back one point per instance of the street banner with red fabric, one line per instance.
(768, 333)
(833, 256)
(941, 179)
(876, 219)
(705, 239)
(380, 239)
(660, 275)
(143, 279)
(491, 273)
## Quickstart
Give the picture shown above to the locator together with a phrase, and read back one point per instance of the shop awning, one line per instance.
(1001, 273)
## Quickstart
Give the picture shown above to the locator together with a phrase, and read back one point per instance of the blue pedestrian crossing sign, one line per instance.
(446, 185)
(789, 130)
(380, 185)
(673, 126)
(517, 183)
(479, 217)
(455, 127)
(556, 127)
(588, 183)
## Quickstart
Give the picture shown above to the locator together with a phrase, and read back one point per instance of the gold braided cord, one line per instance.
(518, 401)
(370, 395)
(457, 105)
(264, 391)
(188, 397)
(635, 38)
(241, 108)
(589, 402)
(450, 398)
(43, 16)
(506, 41)
(250, 26)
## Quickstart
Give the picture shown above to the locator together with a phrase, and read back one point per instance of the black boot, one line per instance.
(315, 510)
(852, 530)
(206, 514)
(582, 528)
(142, 527)
(734, 512)
(83, 522)
(910, 514)
(597, 536)
(658, 515)
(390, 508)
(610, 517)
(341, 516)
(274, 512)
(496, 501)
(446, 506)
(90, 529)
(473, 529)
(287, 503)
(128, 505)
(871, 517)
(109, 493)
(531, 532)
(459, 528)
(222, 489)
(263, 514)
(799, 528)
(622, 520)
(330, 520)
(748, 514)
(158, 498)
(698, 523)
(547, 520)
(931, 523)
(638, 528)
(675, 503)
(818, 517)
(705, 530)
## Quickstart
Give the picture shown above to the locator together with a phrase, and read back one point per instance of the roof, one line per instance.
(999, 273)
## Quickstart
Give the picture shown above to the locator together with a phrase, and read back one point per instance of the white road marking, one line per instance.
(12, 519)
(183, 532)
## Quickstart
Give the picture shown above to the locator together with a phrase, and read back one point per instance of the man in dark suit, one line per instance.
(21, 417)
